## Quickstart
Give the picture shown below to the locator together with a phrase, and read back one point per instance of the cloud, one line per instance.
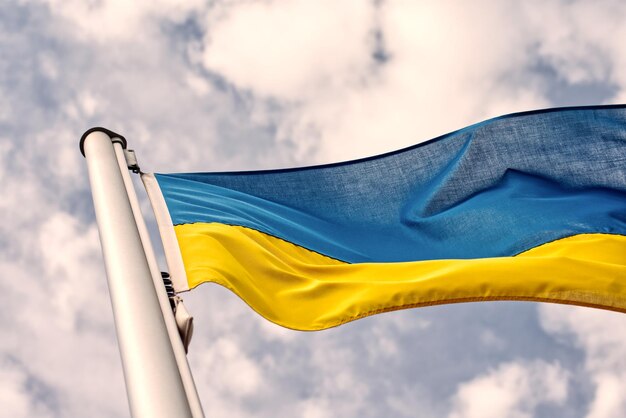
(404, 71)
(16, 399)
(573, 38)
(512, 390)
(598, 333)
(62, 234)
(58, 324)
(370, 88)
(115, 20)
(239, 374)
(289, 49)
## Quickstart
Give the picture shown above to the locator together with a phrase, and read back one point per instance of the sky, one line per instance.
(217, 85)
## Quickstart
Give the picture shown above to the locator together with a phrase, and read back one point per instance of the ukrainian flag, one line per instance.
(528, 206)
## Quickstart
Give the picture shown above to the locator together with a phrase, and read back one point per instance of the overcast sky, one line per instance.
(242, 84)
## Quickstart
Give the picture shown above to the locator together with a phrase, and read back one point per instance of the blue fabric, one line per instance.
(496, 188)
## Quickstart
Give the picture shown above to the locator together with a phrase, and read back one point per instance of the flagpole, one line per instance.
(168, 315)
(153, 380)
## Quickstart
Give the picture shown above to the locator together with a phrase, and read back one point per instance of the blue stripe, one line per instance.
(493, 189)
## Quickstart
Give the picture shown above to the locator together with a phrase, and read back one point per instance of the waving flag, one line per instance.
(528, 206)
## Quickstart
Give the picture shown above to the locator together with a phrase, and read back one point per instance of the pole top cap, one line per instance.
(110, 133)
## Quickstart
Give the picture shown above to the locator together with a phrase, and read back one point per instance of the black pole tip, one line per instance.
(110, 133)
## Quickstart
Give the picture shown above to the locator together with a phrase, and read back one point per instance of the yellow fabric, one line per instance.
(297, 288)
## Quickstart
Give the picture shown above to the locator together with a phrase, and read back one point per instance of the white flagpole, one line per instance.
(157, 280)
(153, 381)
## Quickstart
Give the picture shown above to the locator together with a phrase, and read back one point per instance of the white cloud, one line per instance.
(601, 336)
(574, 37)
(289, 49)
(16, 399)
(239, 375)
(69, 251)
(592, 49)
(58, 328)
(512, 390)
(114, 20)
(448, 65)
(353, 104)
(609, 401)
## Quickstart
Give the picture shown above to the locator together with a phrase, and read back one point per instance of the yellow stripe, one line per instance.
(300, 289)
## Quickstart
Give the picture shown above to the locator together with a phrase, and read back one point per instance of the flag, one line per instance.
(528, 206)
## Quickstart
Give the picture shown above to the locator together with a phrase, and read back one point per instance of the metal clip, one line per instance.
(184, 321)
(131, 161)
